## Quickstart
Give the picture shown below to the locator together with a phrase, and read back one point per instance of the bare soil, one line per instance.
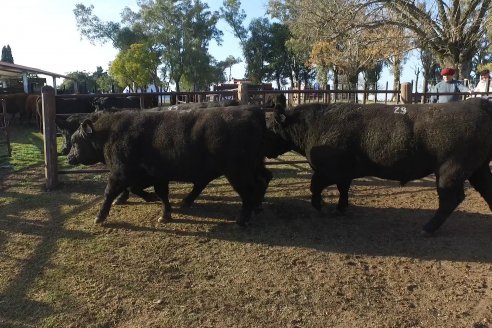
(292, 267)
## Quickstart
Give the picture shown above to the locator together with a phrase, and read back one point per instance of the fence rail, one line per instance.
(244, 95)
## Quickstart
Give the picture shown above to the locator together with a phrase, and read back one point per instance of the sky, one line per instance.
(43, 35)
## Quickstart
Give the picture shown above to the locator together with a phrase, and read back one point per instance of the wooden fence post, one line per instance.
(242, 93)
(49, 131)
(406, 93)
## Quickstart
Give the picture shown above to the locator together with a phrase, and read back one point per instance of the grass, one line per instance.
(28, 150)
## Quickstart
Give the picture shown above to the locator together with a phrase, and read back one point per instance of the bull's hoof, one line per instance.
(120, 201)
(242, 222)
(185, 204)
(317, 205)
(337, 212)
(426, 234)
(164, 219)
(152, 197)
(258, 210)
(99, 219)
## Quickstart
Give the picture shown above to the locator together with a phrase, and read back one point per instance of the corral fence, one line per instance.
(244, 93)
(4, 127)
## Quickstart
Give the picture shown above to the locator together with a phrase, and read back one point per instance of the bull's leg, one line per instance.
(318, 183)
(264, 177)
(343, 189)
(481, 180)
(147, 196)
(122, 197)
(249, 187)
(194, 193)
(113, 189)
(451, 193)
(162, 190)
(67, 143)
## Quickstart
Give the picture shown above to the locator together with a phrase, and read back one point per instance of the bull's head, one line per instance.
(275, 142)
(84, 148)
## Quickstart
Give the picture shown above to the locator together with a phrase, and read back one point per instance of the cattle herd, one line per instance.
(341, 142)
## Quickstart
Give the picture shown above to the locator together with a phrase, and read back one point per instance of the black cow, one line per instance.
(15, 103)
(402, 142)
(125, 102)
(68, 125)
(154, 147)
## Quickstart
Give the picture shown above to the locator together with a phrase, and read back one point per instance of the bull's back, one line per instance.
(182, 145)
(403, 142)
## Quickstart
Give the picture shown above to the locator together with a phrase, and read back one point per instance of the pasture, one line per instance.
(290, 267)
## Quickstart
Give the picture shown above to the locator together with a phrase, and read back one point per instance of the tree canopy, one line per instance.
(135, 67)
(178, 31)
(7, 54)
(451, 30)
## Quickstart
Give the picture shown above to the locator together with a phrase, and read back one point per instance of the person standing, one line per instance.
(484, 84)
(448, 85)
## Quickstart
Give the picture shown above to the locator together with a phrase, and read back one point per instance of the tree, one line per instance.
(232, 13)
(228, 63)
(97, 31)
(451, 30)
(7, 54)
(85, 82)
(256, 50)
(181, 31)
(134, 67)
(279, 56)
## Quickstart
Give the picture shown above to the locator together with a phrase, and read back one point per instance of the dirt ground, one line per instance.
(290, 268)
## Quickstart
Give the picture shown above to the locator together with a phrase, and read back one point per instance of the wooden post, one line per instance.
(365, 95)
(424, 92)
(242, 93)
(386, 94)
(142, 101)
(49, 133)
(406, 93)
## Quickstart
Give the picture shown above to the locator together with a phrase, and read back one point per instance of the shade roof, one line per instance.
(8, 70)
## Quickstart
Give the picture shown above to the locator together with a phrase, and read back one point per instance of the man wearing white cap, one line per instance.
(448, 85)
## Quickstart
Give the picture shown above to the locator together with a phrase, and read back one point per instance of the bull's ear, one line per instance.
(61, 123)
(87, 127)
(279, 111)
(280, 100)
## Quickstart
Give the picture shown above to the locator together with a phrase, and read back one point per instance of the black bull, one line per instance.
(154, 147)
(402, 142)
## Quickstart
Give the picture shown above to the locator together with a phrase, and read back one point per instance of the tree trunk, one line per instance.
(396, 74)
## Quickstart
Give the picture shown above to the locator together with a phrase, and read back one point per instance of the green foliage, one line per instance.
(232, 13)
(279, 56)
(85, 82)
(228, 63)
(134, 66)
(27, 149)
(91, 27)
(98, 81)
(177, 31)
(7, 54)
(257, 48)
(181, 31)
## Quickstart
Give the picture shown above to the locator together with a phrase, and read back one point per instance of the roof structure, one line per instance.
(10, 71)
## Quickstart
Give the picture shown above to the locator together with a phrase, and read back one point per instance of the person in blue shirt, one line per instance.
(447, 85)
